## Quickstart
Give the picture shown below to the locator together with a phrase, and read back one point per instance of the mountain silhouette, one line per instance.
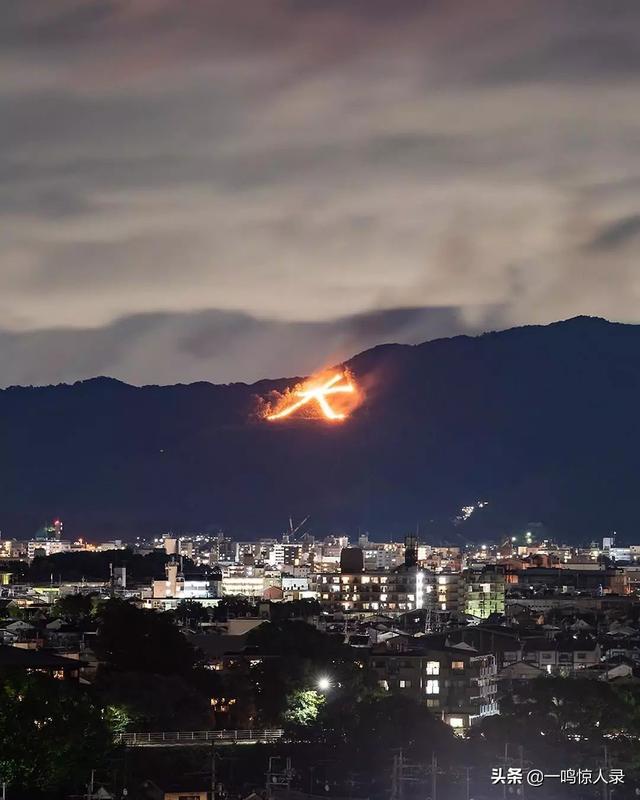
(539, 421)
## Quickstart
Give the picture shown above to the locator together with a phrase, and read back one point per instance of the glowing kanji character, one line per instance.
(319, 395)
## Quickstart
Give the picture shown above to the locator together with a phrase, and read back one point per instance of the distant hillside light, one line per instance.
(332, 398)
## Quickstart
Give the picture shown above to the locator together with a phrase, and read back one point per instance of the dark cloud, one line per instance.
(304, 162)
(216, 346)
(618, 233)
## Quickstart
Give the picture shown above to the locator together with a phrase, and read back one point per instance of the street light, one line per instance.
(324, 683)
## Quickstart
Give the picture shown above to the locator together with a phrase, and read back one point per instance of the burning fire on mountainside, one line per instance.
(331, 396)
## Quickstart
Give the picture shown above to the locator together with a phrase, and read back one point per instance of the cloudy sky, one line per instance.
(232, 190)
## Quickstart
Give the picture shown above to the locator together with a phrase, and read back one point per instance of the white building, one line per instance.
(248, 586)
(47, 547)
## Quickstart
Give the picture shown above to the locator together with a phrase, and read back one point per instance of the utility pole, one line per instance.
(396, 781)
(278, 777)
(404, 773)
(434, 777)
(91, 785)
(213, 771)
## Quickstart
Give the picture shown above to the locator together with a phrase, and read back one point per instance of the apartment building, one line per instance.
(484, 593)
(457, 683)
(403, 589)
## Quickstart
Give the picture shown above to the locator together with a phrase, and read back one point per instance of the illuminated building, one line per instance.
(484, 592)
(281, 555)
(168, 593)
(253, 586)
(47, 547)
(457, 683)
(403, 589)
(449, 592)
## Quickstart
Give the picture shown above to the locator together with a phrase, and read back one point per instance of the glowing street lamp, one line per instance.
(324, 683)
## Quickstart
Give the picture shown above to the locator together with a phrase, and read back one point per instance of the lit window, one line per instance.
(433, 667)
(457, 665)
(456, 722)
(433, 686)
(405, 684)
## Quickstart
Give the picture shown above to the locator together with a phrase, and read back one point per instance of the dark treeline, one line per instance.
(97, 566)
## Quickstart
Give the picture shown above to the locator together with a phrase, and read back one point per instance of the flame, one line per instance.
(313, 392)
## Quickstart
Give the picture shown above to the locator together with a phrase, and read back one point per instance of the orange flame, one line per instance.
(312, 392)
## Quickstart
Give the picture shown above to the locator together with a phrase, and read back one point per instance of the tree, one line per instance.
(568, 707)
(74, 607)
(190, 613)
(51, 735)
(381, 723)
(234, 606)
(130, 639)
(294, 609)
(142, 702)
(295, 656)
(294, 638)
(303, 707)
(97, 566)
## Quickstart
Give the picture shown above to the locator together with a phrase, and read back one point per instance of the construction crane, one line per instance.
(290, 536)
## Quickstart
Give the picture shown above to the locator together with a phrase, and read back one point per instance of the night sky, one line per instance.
(228, 190)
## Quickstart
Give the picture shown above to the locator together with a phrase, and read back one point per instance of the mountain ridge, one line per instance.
(539, 420)
(580, 318)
